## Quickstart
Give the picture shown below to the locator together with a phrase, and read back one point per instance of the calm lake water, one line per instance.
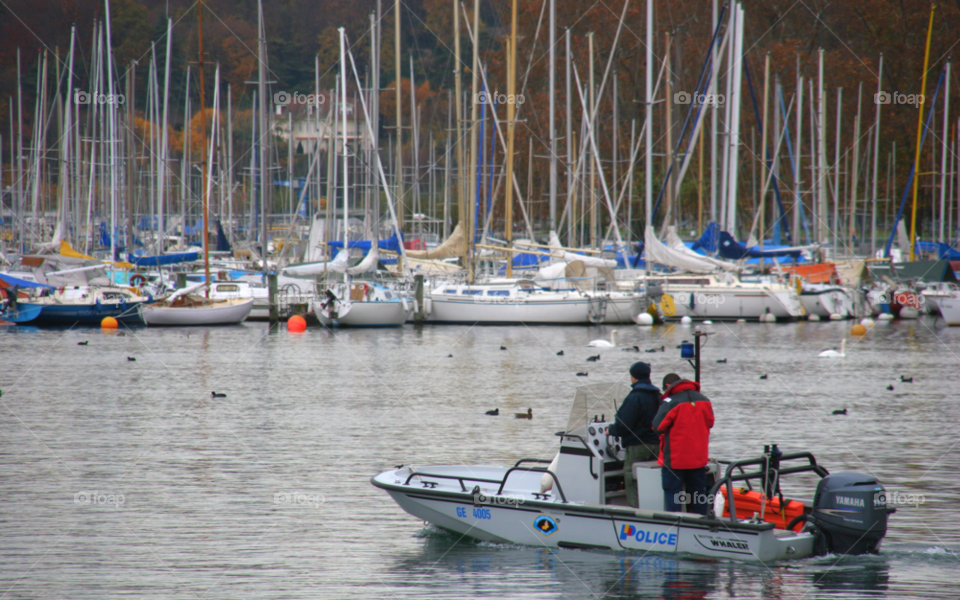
(126, 479)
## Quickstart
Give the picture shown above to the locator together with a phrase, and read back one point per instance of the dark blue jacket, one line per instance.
(634, 423)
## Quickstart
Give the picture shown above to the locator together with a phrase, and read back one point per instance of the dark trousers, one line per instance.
(638, 453)
(674, 494)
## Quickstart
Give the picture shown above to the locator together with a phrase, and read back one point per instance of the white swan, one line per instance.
(604, 343)
(834, 353)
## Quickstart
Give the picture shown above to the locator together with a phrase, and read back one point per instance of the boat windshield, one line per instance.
(595, 400)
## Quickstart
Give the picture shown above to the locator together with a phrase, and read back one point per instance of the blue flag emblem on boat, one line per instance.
(545, 524)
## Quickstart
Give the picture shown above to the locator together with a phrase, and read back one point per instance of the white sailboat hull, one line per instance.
(365, 314)
(713, 303)
(826, 302)
(616, 307)
(950, 309)
(561, 308)
(227, 312)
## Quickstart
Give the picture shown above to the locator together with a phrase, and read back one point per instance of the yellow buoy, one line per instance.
(667, 306)
(858, 329)
(109, 323)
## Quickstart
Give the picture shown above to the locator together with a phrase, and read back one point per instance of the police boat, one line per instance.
(578, 499)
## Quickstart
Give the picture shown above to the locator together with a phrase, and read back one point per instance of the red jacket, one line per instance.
(684, 422)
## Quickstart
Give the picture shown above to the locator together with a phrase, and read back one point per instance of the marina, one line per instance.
(199, 475)
(520, 299)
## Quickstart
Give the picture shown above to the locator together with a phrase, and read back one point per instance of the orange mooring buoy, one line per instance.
(296, 324)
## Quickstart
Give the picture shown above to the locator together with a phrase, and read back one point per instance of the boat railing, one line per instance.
(563, 434)
(556, 481)
(767, 467)
(502, 482)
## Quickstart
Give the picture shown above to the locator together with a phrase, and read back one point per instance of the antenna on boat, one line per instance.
(691, 350)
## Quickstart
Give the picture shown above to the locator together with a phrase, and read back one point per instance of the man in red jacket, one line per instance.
(684, 422)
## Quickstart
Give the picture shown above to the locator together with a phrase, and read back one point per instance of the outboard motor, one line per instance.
(850, 511)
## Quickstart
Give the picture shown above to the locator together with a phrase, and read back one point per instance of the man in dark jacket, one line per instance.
(684, 422)
(634, 425)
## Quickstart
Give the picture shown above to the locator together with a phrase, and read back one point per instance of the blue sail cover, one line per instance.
(708, 241)
(223, 244)
(636, 261)
(732, 249)
(943, 251)
(23, 283)
(105, 238)
(391, 244)
(164, 259)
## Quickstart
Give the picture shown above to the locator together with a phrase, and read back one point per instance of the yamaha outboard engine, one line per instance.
(850, 511)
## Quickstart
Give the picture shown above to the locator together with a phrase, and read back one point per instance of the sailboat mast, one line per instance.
(458, 103)
(648, 110)
(397, 82)
(511, 133)
(203, 147)
(943, 155)
(916, 158)
(714, 117)
(568, 142)
(262, 139)
(161, 222)
(475, 75)
(876, 163)
(111, 108)
(551, 94)
(343, 130)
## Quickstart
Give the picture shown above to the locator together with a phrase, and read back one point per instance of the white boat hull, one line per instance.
(365, 314)
(826, 302)
(513, 518)
(616, 307)
(561, 308)
(227, 312)
(950, 309)
(734, 303)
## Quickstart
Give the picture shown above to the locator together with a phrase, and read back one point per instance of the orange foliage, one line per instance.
(195, 132)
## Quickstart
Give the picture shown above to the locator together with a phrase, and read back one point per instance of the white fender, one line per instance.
(546, 481)
(428, 305)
